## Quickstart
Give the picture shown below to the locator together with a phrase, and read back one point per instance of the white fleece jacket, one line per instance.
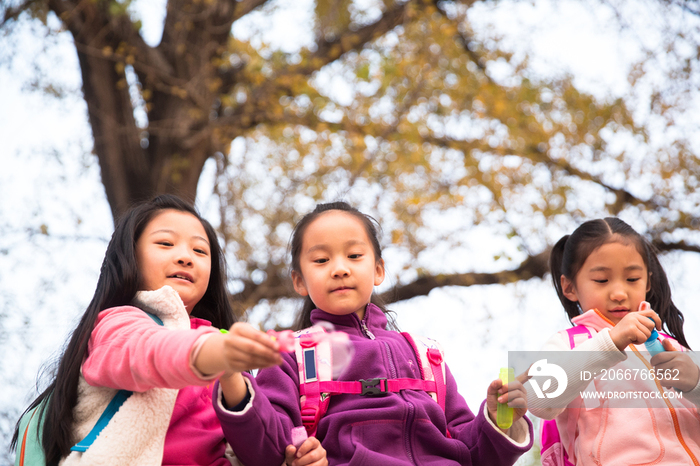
(136, 433)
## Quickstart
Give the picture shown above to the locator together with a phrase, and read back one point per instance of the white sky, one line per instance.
(45, 283)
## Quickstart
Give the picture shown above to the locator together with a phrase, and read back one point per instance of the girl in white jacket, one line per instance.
(605, 273)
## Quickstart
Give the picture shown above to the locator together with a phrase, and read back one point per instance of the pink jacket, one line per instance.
(616, 432)
(128, 350)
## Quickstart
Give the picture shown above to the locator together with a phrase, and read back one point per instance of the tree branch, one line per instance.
(622, 196)
(243, 7)
(278, 286)
(533, 267)
(12, 12)
(675, 246)
(329, 51)
(690, 6)
(465, 41)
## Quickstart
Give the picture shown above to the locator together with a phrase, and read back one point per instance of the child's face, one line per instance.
(173, 250)
(338, 268)
(613, 279)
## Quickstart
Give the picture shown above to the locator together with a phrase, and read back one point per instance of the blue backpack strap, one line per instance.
(155, 318)
(111, 409)
(102, 422)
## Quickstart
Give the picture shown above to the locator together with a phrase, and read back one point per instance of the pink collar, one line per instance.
(593, 319)
(196, 322)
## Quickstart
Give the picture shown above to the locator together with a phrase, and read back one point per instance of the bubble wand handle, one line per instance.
(285, 338)
(504, 414)
(653, 345)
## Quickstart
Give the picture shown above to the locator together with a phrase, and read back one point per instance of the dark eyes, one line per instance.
(324, 260)
(631, 280)
(170, 244)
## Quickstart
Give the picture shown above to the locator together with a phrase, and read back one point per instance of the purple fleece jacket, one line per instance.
(405, 428)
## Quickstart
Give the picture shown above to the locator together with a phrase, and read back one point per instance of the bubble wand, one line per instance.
(504, 413)
(652, 344)
(341, 348)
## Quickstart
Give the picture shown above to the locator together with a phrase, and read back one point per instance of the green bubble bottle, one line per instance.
(504, 414)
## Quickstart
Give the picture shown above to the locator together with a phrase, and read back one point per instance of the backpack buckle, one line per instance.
(310, 416)
(373, 387)
(434, 356)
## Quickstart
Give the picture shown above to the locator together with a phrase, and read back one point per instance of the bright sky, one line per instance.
(50, 179)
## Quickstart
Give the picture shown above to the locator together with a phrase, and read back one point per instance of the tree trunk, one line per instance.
(179, 89)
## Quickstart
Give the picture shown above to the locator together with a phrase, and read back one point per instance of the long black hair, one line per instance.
(117, 285)
(372, 228)
(570, 253)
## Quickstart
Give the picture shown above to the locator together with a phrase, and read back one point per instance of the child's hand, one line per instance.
(242, 348)
(635, 328)
(310, 453)
(683, 372)
(245, 348)
(512, 393)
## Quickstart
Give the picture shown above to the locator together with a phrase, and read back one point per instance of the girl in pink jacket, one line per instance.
(163, 259)
(633, 407)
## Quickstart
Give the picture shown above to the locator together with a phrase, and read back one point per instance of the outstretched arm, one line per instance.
(242, 348)
(128, 350)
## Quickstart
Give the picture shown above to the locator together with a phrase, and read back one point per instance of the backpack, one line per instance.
(316, 385)
(31, 427)
(553, 452)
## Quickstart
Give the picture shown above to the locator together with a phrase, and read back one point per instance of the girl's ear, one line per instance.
(379, 272)
(568, 289)
(299, 285)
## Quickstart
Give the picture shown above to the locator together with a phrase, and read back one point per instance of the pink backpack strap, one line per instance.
(316, 385)
(432, 364)
(367, 387)
(573, 332)
(553, 451)
(432, 380)
(314, 361)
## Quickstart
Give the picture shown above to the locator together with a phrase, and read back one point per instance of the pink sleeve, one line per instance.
(128, 350)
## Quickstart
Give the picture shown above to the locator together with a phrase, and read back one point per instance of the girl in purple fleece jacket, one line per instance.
(336, 263)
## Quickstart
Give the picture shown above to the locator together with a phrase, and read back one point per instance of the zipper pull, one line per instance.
(366, 331)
